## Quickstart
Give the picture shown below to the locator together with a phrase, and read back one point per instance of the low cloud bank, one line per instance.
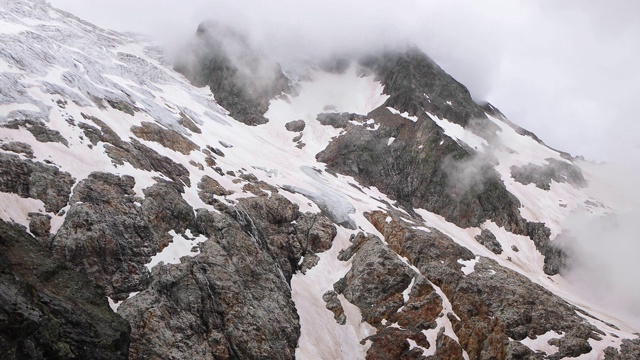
(604, 261)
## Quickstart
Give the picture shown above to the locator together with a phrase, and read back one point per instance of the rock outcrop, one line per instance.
(233, 299)
(35, 180)
(489, 241)
(555, 170)
(135, 153)
(494, 304)
(242, 79)
(48, 311)
(105, 234)
(414, 170)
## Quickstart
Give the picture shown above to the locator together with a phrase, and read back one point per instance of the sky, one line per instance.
(567, 70)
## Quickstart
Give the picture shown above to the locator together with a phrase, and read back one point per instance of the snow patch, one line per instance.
(403, 114)
(16, 208)
(541, 342)
(414, 345)
(178, 248)
(460, 134)
(391, 140)
(468, 266)
(321, 336)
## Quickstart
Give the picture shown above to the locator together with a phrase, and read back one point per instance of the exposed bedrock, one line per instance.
(35, 180)
(233, 299)
(48, 311)
(423, 167)
(241, 77)
(494, 304)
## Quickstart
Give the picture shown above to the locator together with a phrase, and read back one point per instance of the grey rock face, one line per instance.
(339, 121)
(413, 170)
(109, 236)
(334, 305)
(39, 226)
(233, 300)
(489, 241)
(39, 130)
(242, 79)
(555, 257)
(541, 176)
(295, 126)
(493, 303)
(48, 311)
(414, 82)
(35, 180)
(376, 284)
(270, 218)
(629, 350)
(208, 187)
(166, 137)
(376, 290)
(137, 154)
(164, 208)
(106, 236)
(18, 148)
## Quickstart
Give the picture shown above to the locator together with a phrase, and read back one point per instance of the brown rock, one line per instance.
(295, 126)
(168, 138)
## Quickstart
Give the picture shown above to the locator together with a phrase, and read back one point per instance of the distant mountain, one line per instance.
(230, 207)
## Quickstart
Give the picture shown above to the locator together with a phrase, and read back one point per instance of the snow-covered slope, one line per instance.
(77, 99)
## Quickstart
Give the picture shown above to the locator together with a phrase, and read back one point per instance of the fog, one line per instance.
(568, 71)
(604, 260)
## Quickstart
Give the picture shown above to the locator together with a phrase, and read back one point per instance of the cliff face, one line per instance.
(242, 78)
(49, 311)
(372, 210)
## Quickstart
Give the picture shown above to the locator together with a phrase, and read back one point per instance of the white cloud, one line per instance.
(603, 264)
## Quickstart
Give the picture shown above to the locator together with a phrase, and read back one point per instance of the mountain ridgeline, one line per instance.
(229, 207)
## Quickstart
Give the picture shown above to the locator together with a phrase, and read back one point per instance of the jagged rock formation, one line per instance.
(489, 241)
(422, 145)
(541, 176)
(415, 83)
(493, 304)
(241, 77)
(630, 349)
(105, 234)
(392, 297)
(234, 297)
(48, 311)
(35, 180)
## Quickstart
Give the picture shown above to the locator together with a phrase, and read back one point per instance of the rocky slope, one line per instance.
(371, 210)
(49, 311)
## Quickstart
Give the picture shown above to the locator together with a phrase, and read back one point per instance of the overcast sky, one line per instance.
(568, 71)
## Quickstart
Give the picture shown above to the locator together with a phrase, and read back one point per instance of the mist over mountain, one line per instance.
(317, 181)
(525, 58)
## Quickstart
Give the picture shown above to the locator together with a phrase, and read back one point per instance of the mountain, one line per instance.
(226, 206)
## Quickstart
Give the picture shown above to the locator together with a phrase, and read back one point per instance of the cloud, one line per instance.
(603, 262)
